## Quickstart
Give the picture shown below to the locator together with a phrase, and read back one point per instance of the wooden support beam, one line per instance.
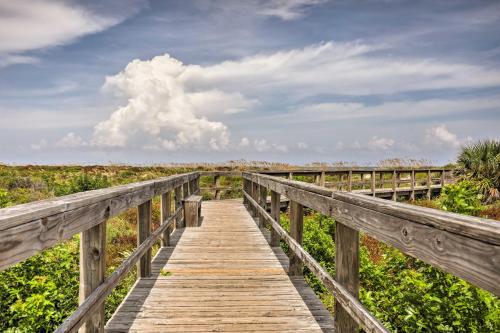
(429, 184)
(165, 213)
(143, 232)
(92, 270)
(412, 185)
(349, 180)
(322, 180)
(346, 273)
(443, 178)
(275, 213)
(185, 190)
(217, 192)
(373, 183)
(245, 189)
(178, 204)
(255, 196)
(262, 202)
(296, 230)
(394, 185)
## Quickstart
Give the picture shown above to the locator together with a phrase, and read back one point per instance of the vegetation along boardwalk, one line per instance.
(220, 277)
(225, 271)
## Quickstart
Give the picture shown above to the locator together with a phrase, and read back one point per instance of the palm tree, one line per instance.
(480, 161)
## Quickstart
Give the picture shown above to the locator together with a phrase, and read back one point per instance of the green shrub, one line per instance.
(480, 162)
(37, 294)
(462, 197)
(82, 182)
(4, 198)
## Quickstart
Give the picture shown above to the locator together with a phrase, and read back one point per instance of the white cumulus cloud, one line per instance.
(440, 135)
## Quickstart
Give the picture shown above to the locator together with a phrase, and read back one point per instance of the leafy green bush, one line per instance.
(406, 294)
(82, 182)
(4, 198)
(37, 294)
(462, 197)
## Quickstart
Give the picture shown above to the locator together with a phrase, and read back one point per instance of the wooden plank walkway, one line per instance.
(224, 277)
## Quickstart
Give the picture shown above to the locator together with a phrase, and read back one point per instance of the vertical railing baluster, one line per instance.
(263, 203)
(346, 273)
(296, 230)
(166, 212)
(178, 203)
(349, 180)
(275, 213)
(92, 272)
(412, 185)
(429, 183)
(394, 186)
(143, 232)
(373, 183)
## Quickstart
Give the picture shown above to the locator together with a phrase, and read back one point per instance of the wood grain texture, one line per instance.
(275, 213)
(346, 273)
(349, 302)
(29, 228)
(165, 213)
(143, 232)
(97, 297)
(192, 205)
(223, 277)
(461, 245)
(92, 271)
(296, 232)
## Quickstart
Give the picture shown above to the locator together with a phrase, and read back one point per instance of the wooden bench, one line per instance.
(192, 211)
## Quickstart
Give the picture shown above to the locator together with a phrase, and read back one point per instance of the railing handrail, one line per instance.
(364, 318)
(468, 247)
(30, 228)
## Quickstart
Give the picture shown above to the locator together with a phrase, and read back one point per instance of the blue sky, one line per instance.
(283, 80)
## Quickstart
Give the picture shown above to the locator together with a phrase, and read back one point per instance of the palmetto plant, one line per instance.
(480, 162)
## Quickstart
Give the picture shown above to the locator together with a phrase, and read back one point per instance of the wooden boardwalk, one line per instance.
(222, 277)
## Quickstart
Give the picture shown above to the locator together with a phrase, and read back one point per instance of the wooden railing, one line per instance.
(467, 247)
(30, 228)
(380, 182)
(389, 183)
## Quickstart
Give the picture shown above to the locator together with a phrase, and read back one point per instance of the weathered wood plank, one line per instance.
(165, 213)
(143, 232)
(29, 228)
(461, 245)
(95, 299)
(296, 232)
(92, 270)
(346, 273)
(352, 306)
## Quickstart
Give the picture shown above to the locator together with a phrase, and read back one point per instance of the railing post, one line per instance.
(245, 189)
(349, 180)
(185, 190)
(263, 203)
(275, 213)
(373, 183)
(296, 230)
(178, 203)
(412, 185)
(92, 270)
(255, 196)
(394, 186)
(290, 175)
(346, 273)
(216, 186)
(443, 178)
(166, 212)
(429, 181)
(322, 180)
(143, 232)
